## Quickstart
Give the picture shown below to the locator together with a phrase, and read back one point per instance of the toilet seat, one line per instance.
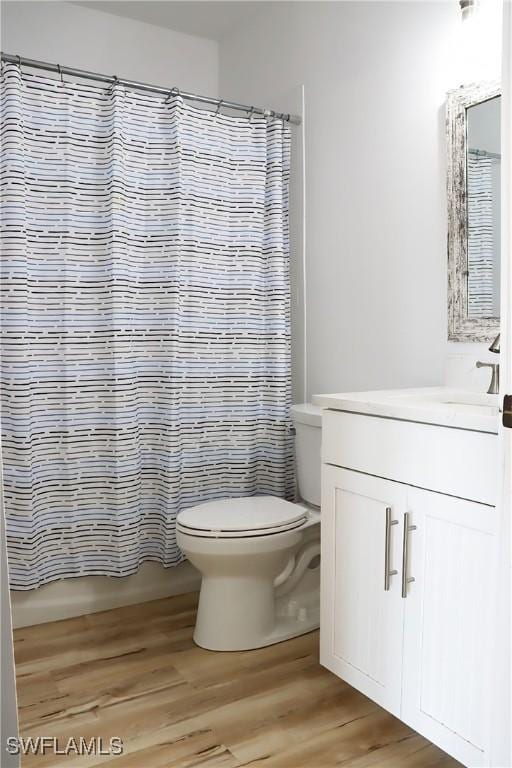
(245, 517)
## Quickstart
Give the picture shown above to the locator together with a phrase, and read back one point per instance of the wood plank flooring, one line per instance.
(135, 673)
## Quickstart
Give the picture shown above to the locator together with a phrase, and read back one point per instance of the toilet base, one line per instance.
(295, 614)
(285, 628)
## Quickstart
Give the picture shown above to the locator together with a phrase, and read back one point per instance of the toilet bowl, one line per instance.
(259, 558)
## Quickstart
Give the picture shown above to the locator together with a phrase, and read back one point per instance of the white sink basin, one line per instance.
(432, 405)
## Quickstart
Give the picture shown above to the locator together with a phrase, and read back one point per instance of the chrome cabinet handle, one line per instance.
(405, 554)
(387, 549)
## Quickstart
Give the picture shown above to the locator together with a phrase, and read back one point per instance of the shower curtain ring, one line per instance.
(60, 73)
(115, 81)
(19, 60)
(173, 92)
(219, 105)
(251, 113)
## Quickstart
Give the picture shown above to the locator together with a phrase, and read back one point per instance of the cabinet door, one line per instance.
(361, 623)
(448, 611)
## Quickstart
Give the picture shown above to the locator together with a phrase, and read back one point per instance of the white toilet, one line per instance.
(259, 556)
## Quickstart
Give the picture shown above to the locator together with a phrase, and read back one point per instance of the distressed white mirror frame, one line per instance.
(460, 326)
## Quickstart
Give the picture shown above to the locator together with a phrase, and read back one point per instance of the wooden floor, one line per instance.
(134, 673)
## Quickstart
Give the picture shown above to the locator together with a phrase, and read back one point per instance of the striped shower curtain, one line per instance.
(146, 321)
(481, 262)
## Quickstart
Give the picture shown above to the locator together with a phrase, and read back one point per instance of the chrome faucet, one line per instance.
(494, 386)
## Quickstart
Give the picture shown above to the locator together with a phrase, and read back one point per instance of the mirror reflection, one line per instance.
(483, 208)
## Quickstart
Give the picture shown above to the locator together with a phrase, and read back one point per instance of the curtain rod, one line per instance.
(219, 103)
(485, 153)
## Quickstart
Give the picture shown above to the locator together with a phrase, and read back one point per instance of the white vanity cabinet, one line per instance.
(361, 624)
(408, 574)
(448, 614)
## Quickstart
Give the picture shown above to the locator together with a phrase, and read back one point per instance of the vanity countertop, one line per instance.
(429, 405)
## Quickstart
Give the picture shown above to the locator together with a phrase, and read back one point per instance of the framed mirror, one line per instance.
(474, 170)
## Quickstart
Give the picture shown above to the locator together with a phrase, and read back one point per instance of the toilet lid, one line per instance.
(246, 516)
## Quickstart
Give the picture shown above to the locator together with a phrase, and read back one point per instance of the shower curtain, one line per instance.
(481, 265)
(146, 320)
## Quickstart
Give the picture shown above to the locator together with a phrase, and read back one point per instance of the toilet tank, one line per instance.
(307, 419)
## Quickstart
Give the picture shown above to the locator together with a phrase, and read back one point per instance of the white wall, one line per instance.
(375, 77)
(83, 38)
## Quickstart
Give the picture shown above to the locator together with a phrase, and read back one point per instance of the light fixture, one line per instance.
(479, 41)
(468, 7)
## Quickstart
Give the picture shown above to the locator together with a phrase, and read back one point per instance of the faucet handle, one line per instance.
(495, 346)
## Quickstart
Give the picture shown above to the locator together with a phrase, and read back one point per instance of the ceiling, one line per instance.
(204, 18)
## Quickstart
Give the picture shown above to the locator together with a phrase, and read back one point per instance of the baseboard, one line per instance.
(90, 594)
